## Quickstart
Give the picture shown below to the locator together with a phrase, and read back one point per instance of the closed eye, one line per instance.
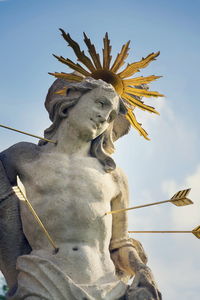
(101, 103)
(104, 102)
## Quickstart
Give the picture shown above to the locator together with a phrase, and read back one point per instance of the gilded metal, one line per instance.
(179, 199)
(130, 90)
(29, 134)
(22, 197)
(195, 231)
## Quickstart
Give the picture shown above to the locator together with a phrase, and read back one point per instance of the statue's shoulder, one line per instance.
(19, 150)
(12, 157)
(120, 178)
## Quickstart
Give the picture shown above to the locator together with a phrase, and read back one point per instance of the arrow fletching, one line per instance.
(196, 232)
(19, 193)
(180, 199)
(22, 197)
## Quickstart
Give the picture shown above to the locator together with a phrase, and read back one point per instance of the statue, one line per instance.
(71, 185)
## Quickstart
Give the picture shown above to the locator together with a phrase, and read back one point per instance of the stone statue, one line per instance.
(71, 185)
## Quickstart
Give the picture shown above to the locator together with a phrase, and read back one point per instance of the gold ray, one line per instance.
(72, 65)
(106, 52)
(62, 92)
(134, 67)
(139, 103)
(91, 49)
(142, 92)
(120, 59)
(132, 119)
(80, 54)
(128, 89)
(70, 77)
(140, 80)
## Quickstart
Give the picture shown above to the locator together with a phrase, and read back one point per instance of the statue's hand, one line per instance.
(128, 261)
(144, 286)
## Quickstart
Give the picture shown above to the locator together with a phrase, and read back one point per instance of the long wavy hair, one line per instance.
(58, 107)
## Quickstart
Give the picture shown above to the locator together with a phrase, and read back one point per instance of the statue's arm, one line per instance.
(12, 240)
(128, 254)
(121, 244)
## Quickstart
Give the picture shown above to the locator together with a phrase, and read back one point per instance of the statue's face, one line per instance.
(93, 113)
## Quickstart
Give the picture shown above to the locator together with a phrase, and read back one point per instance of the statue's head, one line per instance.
(94, 108)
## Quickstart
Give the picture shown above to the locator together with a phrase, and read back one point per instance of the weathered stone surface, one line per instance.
(71, 185)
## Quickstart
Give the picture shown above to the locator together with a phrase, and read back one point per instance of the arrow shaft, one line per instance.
(160, 231)
(41, 225)
(26, 133)
(39, 222)
(135, 207)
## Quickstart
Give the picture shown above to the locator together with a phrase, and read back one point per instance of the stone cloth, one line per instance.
(39, 278)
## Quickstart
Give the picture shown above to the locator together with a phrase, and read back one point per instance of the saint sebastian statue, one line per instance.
(71, 185)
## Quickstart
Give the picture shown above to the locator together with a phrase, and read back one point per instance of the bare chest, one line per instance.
(51, 173)
(76, 190)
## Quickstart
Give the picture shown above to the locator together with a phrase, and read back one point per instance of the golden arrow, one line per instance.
(22, 197)
(195, 231)
(179, 199)
(29, 134)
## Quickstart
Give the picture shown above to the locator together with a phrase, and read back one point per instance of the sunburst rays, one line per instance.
(130, 90)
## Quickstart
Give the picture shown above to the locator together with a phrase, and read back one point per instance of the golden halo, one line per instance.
(130, 90)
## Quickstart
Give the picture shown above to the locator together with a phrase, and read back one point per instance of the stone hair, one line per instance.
(58, 107)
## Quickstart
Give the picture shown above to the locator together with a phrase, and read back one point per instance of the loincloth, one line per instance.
(39, 278)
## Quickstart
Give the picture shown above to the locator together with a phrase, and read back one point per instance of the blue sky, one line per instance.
(156, 169)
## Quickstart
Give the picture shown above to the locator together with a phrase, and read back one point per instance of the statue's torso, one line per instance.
(71, 196)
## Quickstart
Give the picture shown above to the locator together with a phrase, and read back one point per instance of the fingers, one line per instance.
(139, 294)
(144, 287)
(147, 282)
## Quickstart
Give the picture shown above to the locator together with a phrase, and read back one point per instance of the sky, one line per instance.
(156, 169)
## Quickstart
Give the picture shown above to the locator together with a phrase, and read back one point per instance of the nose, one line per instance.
(101, 118)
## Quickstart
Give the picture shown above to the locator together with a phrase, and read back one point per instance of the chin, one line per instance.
(88, 135)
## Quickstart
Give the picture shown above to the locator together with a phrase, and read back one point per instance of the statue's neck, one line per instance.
(69, 141)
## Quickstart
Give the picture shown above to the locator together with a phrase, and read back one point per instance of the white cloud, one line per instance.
(171, 129)
(172, 257)
(177, 275)
(188, 216)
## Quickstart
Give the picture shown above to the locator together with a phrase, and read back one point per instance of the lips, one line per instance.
(96, 125)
